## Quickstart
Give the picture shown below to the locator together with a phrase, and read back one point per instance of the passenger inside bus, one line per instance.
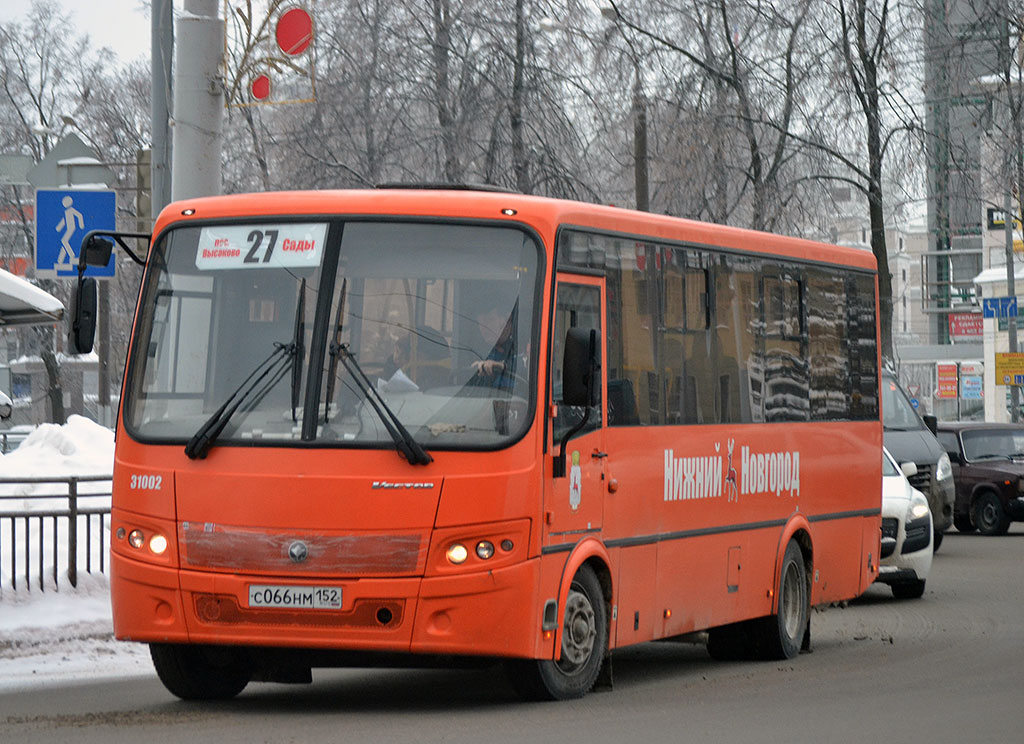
(394, 377)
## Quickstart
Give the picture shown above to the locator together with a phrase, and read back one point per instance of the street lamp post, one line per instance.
(641, 168)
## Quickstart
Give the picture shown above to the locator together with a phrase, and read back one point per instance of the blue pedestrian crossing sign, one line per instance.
(63, 217)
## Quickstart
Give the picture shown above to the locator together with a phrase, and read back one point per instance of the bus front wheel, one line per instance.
(584, 646)
(200, 672)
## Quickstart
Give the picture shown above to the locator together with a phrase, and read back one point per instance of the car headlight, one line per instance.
(943, 470)
(918, 507)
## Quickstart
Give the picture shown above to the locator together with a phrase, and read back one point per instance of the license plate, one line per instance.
(295, 597)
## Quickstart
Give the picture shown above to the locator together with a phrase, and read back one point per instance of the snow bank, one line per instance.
(79, 447)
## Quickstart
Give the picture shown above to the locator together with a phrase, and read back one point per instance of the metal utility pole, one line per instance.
(198, 101)
(1011, 289)
(640, 163)
(162, 49)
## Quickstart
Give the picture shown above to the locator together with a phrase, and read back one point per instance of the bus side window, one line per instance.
(578, 306)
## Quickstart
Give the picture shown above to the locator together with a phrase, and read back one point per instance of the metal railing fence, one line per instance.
(52, 532)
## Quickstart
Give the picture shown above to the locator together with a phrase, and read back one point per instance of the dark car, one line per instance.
(988, 470)
(909, 438)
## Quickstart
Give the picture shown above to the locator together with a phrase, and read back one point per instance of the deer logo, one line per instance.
(731, 487)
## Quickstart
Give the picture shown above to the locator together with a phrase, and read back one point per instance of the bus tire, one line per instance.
(200, 672)
(781, 635)
(730, 642)
(584, 647)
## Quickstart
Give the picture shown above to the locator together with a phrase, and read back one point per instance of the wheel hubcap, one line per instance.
(792, 594)
(578, 633)
(988, 515)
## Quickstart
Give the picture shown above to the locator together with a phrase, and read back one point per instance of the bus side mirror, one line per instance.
(580, 363)
(84, 302)
(96, 251)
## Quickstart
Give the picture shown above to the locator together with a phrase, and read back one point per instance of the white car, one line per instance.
(906, 531)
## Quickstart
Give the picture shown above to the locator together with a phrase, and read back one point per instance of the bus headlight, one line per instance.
(457, 553)
(136, 539)
(484, 549)
(158, 544)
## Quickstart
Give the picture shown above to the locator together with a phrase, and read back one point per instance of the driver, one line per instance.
(498, 368)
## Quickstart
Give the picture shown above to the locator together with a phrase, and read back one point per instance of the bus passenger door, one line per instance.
(574, 504)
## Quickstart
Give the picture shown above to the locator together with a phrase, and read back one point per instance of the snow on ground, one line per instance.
(63, 632)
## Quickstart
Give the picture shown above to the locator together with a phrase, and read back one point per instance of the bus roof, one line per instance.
(543, 213)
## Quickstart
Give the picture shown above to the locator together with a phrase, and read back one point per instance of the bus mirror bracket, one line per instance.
(97, 247)
(580, 367)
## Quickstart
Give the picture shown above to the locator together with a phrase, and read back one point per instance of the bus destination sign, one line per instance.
(263, 246)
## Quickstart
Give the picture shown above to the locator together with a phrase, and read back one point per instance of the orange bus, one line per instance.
(402, 425)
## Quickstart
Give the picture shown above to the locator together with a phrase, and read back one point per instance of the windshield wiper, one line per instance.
(297, 336)
(332, 373)
(269, 372)
(411, 449)
(273, 367)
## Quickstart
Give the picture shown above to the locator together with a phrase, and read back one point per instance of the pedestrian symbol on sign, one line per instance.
(72, 218)
(63, 218)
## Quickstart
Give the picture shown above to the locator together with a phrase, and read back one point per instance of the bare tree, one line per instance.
(752, 52)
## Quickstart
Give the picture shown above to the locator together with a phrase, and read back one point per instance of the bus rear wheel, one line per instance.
(201, 672)
(584, 647)
(781, 635)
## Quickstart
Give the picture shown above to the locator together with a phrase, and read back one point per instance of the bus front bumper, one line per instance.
(489, 613)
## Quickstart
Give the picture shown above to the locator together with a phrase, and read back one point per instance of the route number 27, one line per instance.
(256, 238)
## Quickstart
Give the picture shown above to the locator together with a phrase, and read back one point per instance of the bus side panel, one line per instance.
(636, 583)
(701, 514)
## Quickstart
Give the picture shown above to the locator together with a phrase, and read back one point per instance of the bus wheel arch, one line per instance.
(582, 637)
(783, 633)
(587, 552)
(799, 531)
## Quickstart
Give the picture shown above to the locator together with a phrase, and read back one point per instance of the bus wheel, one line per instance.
(201, 672)
(730, 642)
(780, 636)
(584, 646)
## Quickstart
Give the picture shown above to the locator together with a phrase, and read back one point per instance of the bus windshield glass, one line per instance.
(424, 329)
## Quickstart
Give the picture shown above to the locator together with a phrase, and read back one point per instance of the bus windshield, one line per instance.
(422, 328)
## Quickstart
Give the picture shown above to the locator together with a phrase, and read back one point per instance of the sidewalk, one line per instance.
(50, 636)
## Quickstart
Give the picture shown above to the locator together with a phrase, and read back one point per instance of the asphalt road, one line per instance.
(946, 668)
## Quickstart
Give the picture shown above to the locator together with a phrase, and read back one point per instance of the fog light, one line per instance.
(158, 544)
(457, 553)
(484, 549)
(135, 538)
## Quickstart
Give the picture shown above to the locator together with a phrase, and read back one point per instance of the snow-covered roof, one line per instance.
(23, 303)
